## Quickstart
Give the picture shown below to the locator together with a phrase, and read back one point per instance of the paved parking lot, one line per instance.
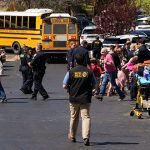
(38, 125)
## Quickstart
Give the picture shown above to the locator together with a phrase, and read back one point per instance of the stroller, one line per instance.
(143, 95)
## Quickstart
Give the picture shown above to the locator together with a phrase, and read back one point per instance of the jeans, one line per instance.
(111, 76)
(2, 92)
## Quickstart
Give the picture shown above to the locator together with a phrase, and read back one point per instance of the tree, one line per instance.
(56, 5)
(116, 17)
(145, 5)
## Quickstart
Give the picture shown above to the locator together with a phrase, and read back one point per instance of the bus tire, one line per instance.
(16, 47)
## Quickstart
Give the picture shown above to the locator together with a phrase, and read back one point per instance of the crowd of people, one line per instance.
(108, 69)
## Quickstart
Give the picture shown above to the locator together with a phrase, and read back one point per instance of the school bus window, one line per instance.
(71, 29)
(47, 29)
(59, 28)
(19, 21)
(7, 21)
(13, 21)
(25, 22)
(1, 22)
(32, 22)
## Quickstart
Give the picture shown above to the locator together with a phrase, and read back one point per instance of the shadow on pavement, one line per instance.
(9, 100)
(112, 143)
(59, 99)
(19, 102)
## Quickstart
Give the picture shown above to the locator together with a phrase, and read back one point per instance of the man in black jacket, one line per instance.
(143, 53)
(80, 81)
(82, 50)
(38, 66)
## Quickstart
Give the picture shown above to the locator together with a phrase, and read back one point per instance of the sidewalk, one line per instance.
(12, 57)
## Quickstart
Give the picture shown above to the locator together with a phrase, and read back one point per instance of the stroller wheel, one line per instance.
(132, 113)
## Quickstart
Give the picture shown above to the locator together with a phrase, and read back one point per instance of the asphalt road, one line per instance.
(39, 125)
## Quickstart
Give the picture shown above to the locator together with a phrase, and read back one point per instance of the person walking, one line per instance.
(2, 91)
(82, 49)
(27, 86)
(110, 74)
(70, 64)
(24, 67)
(38, 65)
(80, 81)
(97, 73)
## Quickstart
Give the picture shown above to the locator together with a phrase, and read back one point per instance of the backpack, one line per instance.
(116, 60)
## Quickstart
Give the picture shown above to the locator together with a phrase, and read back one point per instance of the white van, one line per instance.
(143, 23)
(89, 34)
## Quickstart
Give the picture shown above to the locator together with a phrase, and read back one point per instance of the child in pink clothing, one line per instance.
(121, 79)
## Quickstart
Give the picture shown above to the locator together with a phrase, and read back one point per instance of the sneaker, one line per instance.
(121, 98)
(72, 139)
(100, 98)
(3, 100)
(86, 142)
(33, 98)
(45, 97)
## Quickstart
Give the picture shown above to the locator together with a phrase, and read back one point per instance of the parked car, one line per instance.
(141, 31)
(89, 34)
(81, 16)
(82, 23)
(137, 32)
(122, 39)
(143, 23)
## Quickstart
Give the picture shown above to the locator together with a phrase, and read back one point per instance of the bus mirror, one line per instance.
(40, 26)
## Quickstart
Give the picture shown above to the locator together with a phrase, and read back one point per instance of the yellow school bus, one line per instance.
(59, 31)
(19, 28)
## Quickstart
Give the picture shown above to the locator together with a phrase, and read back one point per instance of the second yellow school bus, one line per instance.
(59, 32)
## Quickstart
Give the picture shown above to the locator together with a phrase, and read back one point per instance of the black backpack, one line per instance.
(116, 60)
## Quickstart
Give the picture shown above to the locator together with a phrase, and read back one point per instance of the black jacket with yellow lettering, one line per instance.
(80, 81)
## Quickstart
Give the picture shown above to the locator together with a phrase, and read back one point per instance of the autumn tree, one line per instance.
(116, 17)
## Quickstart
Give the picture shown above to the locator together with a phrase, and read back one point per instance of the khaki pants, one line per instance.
(75, 110)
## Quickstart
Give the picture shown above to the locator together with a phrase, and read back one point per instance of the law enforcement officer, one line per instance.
(38, 66)
(96, 46)
(24, 68)
(29, 82)
(80, 81)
